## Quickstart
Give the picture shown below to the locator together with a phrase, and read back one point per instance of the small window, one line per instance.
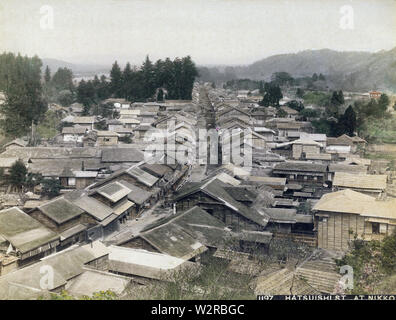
(375, 227)
(383, 228)
(72, 181)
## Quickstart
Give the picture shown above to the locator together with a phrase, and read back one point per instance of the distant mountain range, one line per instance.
(360, 71)
(355, 71)
(79, 70)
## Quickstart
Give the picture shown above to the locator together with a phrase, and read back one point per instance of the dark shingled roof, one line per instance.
(22, 231)
(209, 230)
(137, 195)
(281, 215)
(94, 207)
(171, 239)
(60, 210)
(158, 170)
(122, 155)
(215, 189)
(300, 166)
(241, 194)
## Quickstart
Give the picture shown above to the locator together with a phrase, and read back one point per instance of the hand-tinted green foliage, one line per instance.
(101, 295)
(272, 95)
(17, 174)
(66, 98)
(373, 120)
(299, 93)
(296, 105)
(280, 113)
(63, 79)
(51, 187)
(316, 98)
(282, 79)
(309, 114)
(140, 84)
(20, 80)
(347, 122)
(372, 262)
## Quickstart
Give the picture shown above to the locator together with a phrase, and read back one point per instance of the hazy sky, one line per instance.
(211, 31)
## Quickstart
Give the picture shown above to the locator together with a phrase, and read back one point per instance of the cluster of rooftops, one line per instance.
(109, 186)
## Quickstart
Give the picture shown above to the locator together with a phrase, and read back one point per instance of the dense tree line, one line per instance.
(59, 87)
(356, 118)
(140, 84)
(272, 93)
(20, 81)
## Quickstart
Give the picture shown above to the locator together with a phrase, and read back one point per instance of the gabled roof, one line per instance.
(122, 155)
(361, 181)
(56, 167)
(74, 130)
(209, 230)
(66, 264)
(52, 153)
(231, 108)
(226, 178)
(318, 137)
(268, 181)
(241, 193)
(318, 156)
(158, 170)
(341, 167)
(215, 188)
(93, 207)
(142, 176)
(113, 191)
(22, 231)
(171, 239)
(18, 142)
(349, 201)
(84, 120)
(280, 215)
(136, 194)
(142, 262)
(263, 129)
(60, 210)
(300, 166)
(106, 134)
(289, 125)
(344, 140)
(303, 141)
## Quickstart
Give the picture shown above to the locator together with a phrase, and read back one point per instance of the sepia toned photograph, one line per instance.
(198, 157)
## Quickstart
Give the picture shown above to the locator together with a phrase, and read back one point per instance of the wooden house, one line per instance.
(302, 172)
(212, 197)
(298, 149)
(106, 138)
(343, 215)
(24, 237)
(115, 195)
(63, 217)
(73, 134)
(85, 122)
